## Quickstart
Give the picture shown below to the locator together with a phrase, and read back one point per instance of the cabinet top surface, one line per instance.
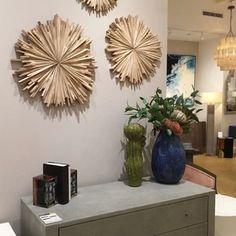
(108, 199)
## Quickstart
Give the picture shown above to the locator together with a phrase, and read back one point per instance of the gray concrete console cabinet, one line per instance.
(114, 209)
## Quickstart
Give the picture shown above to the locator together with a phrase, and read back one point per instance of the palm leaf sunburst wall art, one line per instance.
(56, 63)
(133, 50)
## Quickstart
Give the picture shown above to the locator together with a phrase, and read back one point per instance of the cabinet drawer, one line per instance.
(196, 230)
(152, 221)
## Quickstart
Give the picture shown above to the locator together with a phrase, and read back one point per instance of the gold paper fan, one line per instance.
(56, 62)
(99, 6)
(133, 50)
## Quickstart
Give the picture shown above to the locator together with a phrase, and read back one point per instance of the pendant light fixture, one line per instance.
(226, 49)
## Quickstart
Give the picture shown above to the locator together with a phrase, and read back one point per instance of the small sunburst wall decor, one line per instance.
(99, 6)
(133, 50)
(56, 63)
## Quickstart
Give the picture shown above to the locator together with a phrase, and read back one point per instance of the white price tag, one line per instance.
(50, 218)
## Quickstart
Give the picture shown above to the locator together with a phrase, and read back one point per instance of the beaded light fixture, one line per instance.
(226, 49)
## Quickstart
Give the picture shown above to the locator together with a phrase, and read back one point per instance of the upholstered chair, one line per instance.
(225, 206)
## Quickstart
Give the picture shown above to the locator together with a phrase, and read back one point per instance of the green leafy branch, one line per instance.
(159, 109)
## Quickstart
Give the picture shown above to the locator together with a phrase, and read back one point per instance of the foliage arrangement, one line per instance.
(171, 114)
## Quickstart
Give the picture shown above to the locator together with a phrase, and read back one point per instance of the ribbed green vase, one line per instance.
(133, 154)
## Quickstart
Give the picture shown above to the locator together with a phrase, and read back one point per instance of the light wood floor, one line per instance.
(223, 168)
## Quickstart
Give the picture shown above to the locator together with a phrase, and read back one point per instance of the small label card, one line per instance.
(50, 218)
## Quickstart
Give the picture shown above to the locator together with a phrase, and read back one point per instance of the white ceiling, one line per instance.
(186, 22)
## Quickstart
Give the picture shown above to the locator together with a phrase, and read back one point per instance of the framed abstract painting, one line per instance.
(181, 71)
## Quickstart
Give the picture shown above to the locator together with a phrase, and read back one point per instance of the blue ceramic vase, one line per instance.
(168, 159)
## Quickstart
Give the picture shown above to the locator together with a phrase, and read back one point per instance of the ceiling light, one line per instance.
(226, 49)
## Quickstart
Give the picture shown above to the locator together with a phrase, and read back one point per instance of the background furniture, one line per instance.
(196, 136)
(6, 230)
(224, 147)
(225, 206)
(190, 151)
(115, 209)
(232, 131)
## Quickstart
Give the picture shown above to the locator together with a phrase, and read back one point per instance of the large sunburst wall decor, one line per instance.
(133, 50)
(56, 62)
(99, 6)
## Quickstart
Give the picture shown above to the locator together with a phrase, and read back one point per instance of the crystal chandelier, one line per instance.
(226, 49)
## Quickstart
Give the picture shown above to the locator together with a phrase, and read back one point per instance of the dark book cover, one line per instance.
(44, 193)
(62, 172)
(74, 185)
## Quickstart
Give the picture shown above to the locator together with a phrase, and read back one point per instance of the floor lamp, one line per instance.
(211, 99)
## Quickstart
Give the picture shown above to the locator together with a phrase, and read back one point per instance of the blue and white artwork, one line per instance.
(180, 74)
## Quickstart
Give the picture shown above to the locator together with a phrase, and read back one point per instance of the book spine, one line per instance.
(69, 183)
(74, 190)
(35, 196)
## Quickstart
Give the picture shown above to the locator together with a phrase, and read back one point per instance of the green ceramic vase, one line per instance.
(133, 154)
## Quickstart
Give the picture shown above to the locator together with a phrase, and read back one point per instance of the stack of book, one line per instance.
(57, 184)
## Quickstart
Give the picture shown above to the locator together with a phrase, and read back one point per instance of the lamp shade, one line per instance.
(211, 98)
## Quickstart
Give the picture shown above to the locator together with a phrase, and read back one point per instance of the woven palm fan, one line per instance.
(56, 63)
(134, 51)
(99, 6)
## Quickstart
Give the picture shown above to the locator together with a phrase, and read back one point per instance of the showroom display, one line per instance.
(56, 63)
(133, 50)
(114, 209)
(170, 117)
